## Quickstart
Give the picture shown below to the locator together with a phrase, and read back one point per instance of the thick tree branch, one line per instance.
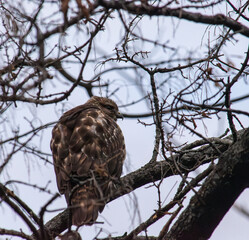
(218, 193)
(151, 172)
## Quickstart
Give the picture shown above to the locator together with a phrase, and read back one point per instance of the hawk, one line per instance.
(88, 151)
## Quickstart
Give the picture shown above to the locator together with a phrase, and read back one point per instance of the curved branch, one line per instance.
(218, 19)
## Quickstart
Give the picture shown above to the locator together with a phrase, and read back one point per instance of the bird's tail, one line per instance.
(85, 205)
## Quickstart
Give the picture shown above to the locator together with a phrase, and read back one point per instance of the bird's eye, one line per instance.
(109, 107)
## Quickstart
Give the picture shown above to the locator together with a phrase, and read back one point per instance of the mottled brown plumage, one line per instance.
(88, 151)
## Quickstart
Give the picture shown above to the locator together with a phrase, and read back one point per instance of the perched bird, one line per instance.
(88, 151)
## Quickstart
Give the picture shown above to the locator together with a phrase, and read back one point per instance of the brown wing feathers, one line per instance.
(88, 151)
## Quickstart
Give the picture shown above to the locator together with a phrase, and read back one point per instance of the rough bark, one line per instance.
(216, 196)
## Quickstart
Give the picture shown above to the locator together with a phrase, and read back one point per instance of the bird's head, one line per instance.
(107, 105)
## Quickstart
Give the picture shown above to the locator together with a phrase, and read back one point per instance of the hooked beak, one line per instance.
(119, 115)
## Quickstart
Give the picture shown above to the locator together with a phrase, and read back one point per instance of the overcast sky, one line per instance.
(123, 214)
